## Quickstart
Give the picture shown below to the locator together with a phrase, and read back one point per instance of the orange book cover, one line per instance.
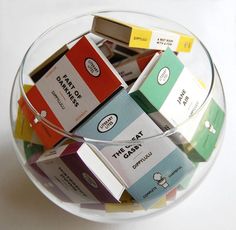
(72, 89)
(46, 135)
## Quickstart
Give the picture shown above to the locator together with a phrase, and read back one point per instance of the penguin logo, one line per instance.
(89, 180)
(92, 67)
(163, 76)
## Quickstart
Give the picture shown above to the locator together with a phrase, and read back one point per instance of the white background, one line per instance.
(211, 206)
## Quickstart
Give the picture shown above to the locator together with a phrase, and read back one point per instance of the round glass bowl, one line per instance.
(208, 120)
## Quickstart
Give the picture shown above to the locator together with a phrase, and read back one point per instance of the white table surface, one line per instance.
(211, 206)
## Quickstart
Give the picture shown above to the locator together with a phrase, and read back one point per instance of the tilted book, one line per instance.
(80, 174)
(199, 137)
(169, 93)
(72, 88)
(148, 169)
(140, 37)
(23, 129)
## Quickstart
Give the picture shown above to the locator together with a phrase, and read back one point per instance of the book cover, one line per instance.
(122, 50)
(76, 85)
(162, 178)
(96, 71)
(52, 166)
(23, 130)
(199, 140)
(140, 37)
(79, 173)
(131, 68)
(31, 149)
(106, 50)
(122, 119)
(166, 87)
(43, 179)
(47, 136)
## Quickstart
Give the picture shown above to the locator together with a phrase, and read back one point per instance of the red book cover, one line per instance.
(144, 60)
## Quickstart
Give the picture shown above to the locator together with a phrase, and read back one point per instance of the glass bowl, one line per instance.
(198, 61)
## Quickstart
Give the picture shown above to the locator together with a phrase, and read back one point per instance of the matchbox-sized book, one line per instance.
(80, 174)
(148, 169)
(136, 36)
(72, 88)
(170, 94)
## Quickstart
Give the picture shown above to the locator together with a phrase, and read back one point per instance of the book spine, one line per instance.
(207, 133)
(143, 102)
(160, 40)
(47, 136)
(23, 130)
(140, 38)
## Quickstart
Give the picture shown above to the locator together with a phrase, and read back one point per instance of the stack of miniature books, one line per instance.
(114, 92)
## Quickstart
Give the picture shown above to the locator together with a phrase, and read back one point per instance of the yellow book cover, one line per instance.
(130, 207)
(23, 130)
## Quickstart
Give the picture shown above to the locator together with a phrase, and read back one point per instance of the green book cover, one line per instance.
(31, 149)
(154, 90)
(205, 138)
